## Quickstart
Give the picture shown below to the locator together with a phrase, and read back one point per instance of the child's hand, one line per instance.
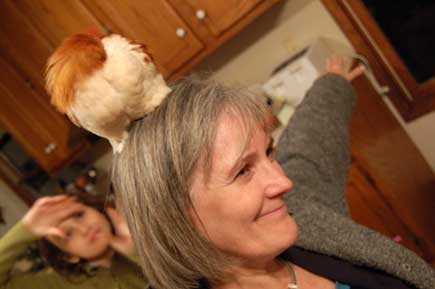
(121, 241)
(47, 213)
(335, 64)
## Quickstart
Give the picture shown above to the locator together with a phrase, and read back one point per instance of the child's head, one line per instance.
(88, 234)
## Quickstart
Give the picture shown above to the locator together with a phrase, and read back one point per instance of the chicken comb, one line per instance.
(94, 31)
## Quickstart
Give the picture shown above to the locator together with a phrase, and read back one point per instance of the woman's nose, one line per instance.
(277, 183)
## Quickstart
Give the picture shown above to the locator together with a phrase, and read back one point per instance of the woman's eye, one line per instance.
(243, 171)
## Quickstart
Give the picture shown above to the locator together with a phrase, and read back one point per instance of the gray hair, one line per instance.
(153, 176)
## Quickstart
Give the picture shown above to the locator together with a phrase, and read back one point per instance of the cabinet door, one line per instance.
(26, 111)
(395, 172)
(56, 20)
(368, 207)
(32, 123)
(221, 15)
(22, 45)
(153, 23)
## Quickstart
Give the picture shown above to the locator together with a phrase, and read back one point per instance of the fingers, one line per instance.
(65, 211)
(52, 200)
(335, 64)
(116, 218)
(54, 232)
(59, 208)
(119, 222)
(122, 245)
(37, 215)
(47, 203)
(114, 215)
(354, 73)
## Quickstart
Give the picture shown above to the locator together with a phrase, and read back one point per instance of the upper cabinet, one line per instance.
(218, 16)
(25, 110)
(46, 135)
(55, 20)
(153, 23)
(178, 34)
(215, 22)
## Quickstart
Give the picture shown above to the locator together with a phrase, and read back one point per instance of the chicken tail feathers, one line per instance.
(77, 58)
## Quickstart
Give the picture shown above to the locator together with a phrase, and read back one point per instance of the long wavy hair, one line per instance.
(153, 176)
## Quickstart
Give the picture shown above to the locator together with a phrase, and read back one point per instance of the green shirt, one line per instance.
(123, 273)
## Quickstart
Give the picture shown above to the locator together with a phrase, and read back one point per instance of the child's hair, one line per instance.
(56, 258)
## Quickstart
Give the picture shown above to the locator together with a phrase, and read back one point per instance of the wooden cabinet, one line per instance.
(391, 187)
(25, 111)
(215, 22)
(369, 207)
(218, 16)
(55, 20)
(30, 30)
(153, 23)
(44, 134)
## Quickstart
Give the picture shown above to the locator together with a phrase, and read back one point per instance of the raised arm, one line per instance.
(314, 148)
(40, 221)
(12, 245)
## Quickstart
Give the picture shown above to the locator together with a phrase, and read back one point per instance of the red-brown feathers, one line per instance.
(74, 60)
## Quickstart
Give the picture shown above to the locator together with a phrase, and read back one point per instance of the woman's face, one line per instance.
(241, 208)
(88, 234)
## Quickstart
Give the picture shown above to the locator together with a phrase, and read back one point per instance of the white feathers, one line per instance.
(126, 88)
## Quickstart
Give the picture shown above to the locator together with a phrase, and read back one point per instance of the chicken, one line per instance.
(103, 84)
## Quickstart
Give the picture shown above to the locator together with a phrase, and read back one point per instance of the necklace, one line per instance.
(292, 284)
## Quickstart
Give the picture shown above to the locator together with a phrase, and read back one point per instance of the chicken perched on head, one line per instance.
(104, 84)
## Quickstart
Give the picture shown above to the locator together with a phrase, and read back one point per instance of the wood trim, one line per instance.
(213, 45)
(423, 96)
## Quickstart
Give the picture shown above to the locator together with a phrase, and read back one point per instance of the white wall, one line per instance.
(250, 57)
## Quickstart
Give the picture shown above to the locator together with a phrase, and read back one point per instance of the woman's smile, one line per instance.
(274, 213)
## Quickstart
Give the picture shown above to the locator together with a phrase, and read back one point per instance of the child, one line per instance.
(84, 247)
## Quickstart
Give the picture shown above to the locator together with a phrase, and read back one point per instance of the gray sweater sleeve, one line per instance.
(314, 148)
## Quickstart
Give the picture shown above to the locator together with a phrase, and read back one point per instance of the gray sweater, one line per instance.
(314, 153)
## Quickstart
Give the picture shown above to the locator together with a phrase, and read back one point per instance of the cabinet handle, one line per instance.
(200, 14)
(378, 50)
(180, 32)
(50, 148)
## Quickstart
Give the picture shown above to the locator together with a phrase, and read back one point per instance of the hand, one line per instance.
(121, 241)
(47, 213)
(335, 64)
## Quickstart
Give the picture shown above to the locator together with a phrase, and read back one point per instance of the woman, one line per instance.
(84, 247)
(207, 200)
